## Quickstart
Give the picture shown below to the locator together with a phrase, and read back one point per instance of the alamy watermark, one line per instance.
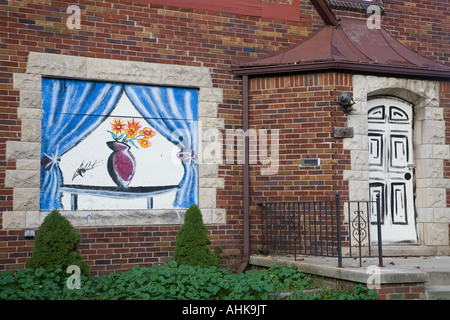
(73, 281)
(229, 146)
(374, 21)
(374, 279)
(74, 20)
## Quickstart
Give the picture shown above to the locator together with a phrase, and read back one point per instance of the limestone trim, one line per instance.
(430, 150)
(25, 179)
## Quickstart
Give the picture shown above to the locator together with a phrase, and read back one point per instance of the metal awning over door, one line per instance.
(349, 46)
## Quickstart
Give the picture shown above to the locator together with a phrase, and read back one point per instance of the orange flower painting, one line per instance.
(144, 143)
(147, 132)
(117, 126)
(133, 128)
(130, 132)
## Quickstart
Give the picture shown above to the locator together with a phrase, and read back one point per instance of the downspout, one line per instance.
(325, 12)
(245, 177)
(330, 19)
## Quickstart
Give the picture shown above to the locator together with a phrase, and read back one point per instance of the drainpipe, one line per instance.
(245, 176)
(325, 12)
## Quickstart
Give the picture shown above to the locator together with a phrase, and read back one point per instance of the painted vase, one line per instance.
(121, 163)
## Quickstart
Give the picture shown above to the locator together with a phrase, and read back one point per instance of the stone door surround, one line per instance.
(430, 150)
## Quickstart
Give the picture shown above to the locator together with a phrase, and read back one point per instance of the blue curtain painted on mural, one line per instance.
(173, 113)
(72, 110)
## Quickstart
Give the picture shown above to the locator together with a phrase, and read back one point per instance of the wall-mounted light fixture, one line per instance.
(346, 102)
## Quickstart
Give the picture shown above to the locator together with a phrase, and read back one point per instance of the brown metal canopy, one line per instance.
(350, 46)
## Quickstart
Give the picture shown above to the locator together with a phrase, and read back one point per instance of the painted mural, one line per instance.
(117, 146)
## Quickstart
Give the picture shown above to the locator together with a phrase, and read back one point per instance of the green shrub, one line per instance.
(56, 244)
(192, 242)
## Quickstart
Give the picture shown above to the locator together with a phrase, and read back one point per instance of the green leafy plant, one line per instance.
(359, 292)
(171, 282)
(56, 245)
(192, 242)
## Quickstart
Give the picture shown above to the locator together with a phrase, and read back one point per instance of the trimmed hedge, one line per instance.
(56, 244)
(192, 243)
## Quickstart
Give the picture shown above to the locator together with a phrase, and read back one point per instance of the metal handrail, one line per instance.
(316, 228)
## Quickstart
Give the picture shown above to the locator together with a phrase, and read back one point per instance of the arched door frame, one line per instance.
(430, 149)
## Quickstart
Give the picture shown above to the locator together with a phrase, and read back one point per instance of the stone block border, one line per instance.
(25, 179)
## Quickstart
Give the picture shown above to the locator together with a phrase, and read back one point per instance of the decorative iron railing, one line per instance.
(323, 228)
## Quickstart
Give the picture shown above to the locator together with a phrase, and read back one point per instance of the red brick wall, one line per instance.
(304, 110)
(405, 291)
(139, 32)
(389, 291)
(420, 25)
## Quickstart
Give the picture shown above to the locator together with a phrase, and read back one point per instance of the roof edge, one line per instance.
(351, 67)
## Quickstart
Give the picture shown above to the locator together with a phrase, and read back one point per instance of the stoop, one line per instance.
(437, 292)
(390, 278)
(427, 277)
(438, 287)
(407, 251)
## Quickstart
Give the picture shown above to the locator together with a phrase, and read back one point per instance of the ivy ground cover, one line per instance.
(170, 282)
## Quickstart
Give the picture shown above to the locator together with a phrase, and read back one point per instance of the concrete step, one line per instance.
(393, 251)
(438, 287)
(405, 251)
(437, 292)
(439, 278)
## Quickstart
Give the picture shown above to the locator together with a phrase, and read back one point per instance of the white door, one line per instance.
(391, 173)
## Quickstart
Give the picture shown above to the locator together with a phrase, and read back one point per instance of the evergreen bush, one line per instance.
(192, 242)
(56, 245)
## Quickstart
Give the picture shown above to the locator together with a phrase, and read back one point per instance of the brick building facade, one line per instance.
(161, 43)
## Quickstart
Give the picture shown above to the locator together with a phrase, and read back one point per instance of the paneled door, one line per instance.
(391, 168)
